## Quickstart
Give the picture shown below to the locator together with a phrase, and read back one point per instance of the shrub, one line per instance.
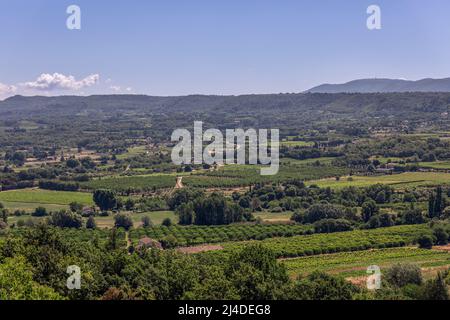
(167, 222)
(435, 289)
(425, 242)
(129, 204)
(146, 222)
(332, 225)
(40, 212)
(324, 211)
(20, 223)
(90, 223)
(299, 217)
(76, 207)
(441, 236)
(380, 220)
(65, 219)
(169, 242)
(400, 275)
(321, 286)
(59, 186)
(122, 220)
(19, 213)
(413, 216)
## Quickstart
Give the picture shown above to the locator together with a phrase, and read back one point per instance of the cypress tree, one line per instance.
(431, 202)
(439, 203)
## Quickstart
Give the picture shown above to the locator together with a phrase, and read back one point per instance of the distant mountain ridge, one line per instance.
(385, 86)
(352, 105)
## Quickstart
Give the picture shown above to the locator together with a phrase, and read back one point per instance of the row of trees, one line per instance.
(211, 210)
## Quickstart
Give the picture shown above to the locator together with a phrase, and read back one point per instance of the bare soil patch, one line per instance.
(443, 248)
(198, 249)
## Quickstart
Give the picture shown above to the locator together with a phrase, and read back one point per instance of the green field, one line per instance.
(408, 179)
(441, 165)
(28, 197)
(156, 217)
(316, 244)
(139, 182)
(292, 143)
(30, 207)
(350, 263)
(131, 152)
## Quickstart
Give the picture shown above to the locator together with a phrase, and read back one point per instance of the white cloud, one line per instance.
(48, 84)
(120, 89)
(7, 90)
(58, 81)
(115, 88)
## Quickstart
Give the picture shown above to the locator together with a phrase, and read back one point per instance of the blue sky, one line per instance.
(176, 47)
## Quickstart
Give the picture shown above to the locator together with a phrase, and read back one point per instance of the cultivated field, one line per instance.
(156, 217)
(356, 263)
(408, 179)
(39, 196)
(195, 235)
(357, 240)
(224, 177)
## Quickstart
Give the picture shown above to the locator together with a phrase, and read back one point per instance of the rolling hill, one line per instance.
(385, 85)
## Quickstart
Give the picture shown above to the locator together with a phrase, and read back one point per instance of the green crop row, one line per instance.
(357, 240)
(99, 236)
(194, 235)
(227, 176)
(347, 261)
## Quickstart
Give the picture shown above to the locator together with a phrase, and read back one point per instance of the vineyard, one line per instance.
(288, 171)
(225, 177)
(86, 236)
(98, 235)
(357, 240)
(402, 180)
(195, 235)
(357, 262)
(138, 183)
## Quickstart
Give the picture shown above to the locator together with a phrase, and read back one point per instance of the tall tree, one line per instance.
(105, 199)
(439, 204)
(431, 202)
(369, 209)
(436, 204)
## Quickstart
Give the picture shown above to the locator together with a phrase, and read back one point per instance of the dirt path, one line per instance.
(197, 249)
(443, 248)
(179, 184)
(127, 239)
